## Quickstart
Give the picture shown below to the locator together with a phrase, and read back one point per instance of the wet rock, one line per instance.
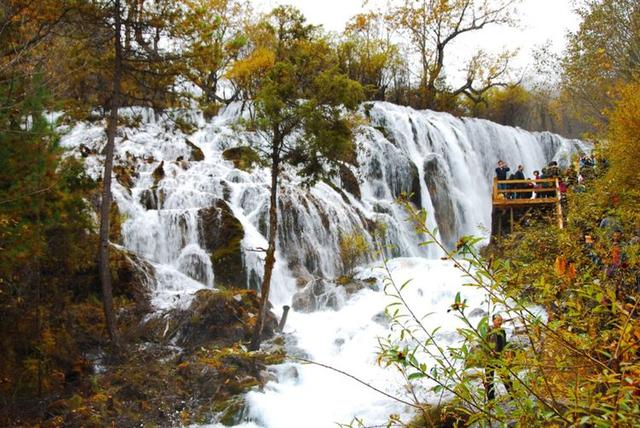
(243, 157)
(124, 176)
(352, 286)
(86, 151)
(222, 234)
(437, 179)
(316, 295)
(196, 152)
(130, 277)
(414, 195)
(149, 199)
(308, 299)
(158, 173)
(478, 312)
(303, 301)
(194, 266)
(349, 182)
(267, 376)
(331, 301)
(290, 373)
(381, 318)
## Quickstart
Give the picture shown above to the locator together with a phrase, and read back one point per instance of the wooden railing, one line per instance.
(521, 193)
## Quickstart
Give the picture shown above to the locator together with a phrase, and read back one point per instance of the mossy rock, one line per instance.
(221, 318)
(196, 152)
(243, 157)
(158, 173)
(124, 176)
(223, 234)
(129, 274)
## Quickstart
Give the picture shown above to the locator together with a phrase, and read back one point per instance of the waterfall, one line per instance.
(201, 222)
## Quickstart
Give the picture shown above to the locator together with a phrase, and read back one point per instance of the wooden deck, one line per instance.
(508, 198)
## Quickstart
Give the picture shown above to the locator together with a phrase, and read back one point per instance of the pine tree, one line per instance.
(297, 91)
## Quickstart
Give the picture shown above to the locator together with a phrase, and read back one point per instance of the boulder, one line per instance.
(436, 177)
(317, 295)
(221, 318)
(196, 152)
(222, 235)
(243, 157)
(130, 276)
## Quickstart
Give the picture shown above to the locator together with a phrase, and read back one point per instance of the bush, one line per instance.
(353, 250)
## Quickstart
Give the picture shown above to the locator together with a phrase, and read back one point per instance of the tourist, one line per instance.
(501, 173)
(530, 186)
(590, 251)
(497, 343)
(537, 186)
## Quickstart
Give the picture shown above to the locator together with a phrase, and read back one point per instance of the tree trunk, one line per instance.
(270, 260)
(105, 208)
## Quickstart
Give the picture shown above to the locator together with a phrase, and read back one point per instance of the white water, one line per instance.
(447, 162)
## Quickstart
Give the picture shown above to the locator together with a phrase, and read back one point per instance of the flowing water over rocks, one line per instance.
(195, 209)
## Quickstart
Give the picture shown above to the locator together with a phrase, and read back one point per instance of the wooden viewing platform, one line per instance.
(516, 198)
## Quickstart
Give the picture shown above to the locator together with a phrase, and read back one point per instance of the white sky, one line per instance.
(541, 21)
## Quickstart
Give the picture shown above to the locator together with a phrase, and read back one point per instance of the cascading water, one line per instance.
(198, 221)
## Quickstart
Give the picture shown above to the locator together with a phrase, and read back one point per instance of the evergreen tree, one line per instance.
(299, 109)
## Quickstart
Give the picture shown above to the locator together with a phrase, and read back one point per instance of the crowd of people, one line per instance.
(540, 186)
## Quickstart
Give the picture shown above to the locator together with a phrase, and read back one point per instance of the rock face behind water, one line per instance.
(317, 294)
(222, 234)
(437, 178)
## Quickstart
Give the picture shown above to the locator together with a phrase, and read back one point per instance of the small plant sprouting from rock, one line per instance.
(354, 248)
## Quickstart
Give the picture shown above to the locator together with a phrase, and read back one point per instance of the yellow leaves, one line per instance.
(249, 71)
(624, 135)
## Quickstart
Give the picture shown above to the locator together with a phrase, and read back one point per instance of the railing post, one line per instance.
(559, 205)
(283, 320)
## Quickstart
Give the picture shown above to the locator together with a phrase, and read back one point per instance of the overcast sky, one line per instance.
(541, 21)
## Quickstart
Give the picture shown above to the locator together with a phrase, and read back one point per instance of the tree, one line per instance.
(137, 70)
(367, 55)
(603, 52)
(624, 138)
(432, 25)
(298, 109)
(43, 215)
(214, 36)
(105, 203)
